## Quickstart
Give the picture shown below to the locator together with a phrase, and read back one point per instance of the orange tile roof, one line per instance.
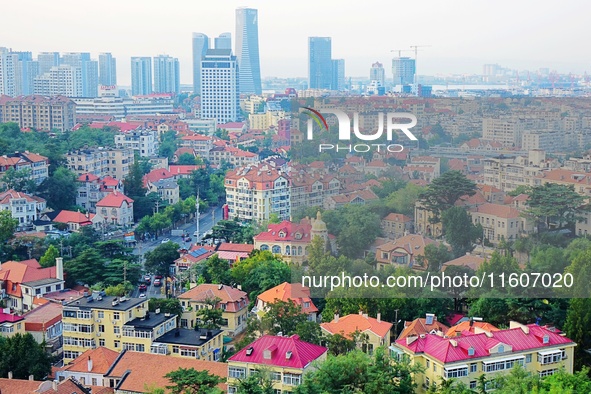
(74, 217)
(148, 370)
(102, 359)
(468, 260)
(114, 199)
(205, 290)
(43, 316)
(18, 386)
(497, 210)
(347, 325)
(419, 326)
(295, 292)
(458, 329)
(397, 217)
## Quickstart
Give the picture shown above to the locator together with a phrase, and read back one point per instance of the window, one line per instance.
(292, 379)
(501, 349)
(116, 330)
(100, 314)
(473, 384)
(115, 315)
(427, 382)
(547, 372)
(117, 344)
(101, 342)
(428, 363)
(550, 357)
(473, 367)
(276, 376)
(501, 365)
(456, 372)
(235, 372)
(528, 358)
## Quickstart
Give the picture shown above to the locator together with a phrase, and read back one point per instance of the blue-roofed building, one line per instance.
(196, 254)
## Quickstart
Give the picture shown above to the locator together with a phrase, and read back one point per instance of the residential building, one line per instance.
(231, 155)
(133, 372)
(469, 326)
(358, 197)
(74, 220)
(141, 75)
(167, 189)
(107, 69)
(166, 75)
(422, 326)
(65, 80)
(116, 209)
(202, 126)
(232, 301)
(23, 207)
(375, 331)
(202, 144)
(291, 240)
(35, 163)
(89, 71)
(200, 47)
(11, 324)
(396, 225)
(44, 323)
(469, 260)
(403, 70)
(101, 161)
(294, 292)
(89, 368)
(91, 189)
(18, 386)
(500, 222)
(288, 359)
(115, 323)
(377, 73)
(538, 349)
(404, 251)
(506, 130)
(253, 193)
(201, 343)
(144, 142)
(223, 41)
(125, 107)
(39, 112)
(26, 71)
(47, 60)
(320, 75)
(8, 67)
(247, 50)
(220, 99)
(21, 282)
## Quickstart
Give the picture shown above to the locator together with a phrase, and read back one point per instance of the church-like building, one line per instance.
(291, 240)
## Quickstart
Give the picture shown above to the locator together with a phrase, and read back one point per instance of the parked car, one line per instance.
(157, 282)
(143, 287)
(187, 239)
(165, 240)
(148, 279)
(157, 276)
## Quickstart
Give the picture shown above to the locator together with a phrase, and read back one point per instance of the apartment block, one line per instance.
(39, 112)
(37, 165)
(23, 207)
(501, 222)
(253, 193)
(144, 142)
(396, 225)
(506, 130)
(376, 331)
(115, 323)
(114, 162)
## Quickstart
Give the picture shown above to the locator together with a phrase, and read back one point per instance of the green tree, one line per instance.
(119, 290)
(60, 189)
(211, 316)
(134, 189)
(340, 344)
(459, 230)
(259, 272)
(354, 227)
(445, 190)
(158, 261)
(518, 381)
(48, 259)
(23, 356)
(7, 226)
(259, 382)
(166, 305)
(121, 271)
(187, 159)
(578, 328)
(19, 180)
(87, 268)
(556, 202)
(217, 270)
(403, 200)
(191, 381)
(436, 256)
(284, 317)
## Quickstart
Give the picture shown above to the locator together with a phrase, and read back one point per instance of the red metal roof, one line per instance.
(303, 353)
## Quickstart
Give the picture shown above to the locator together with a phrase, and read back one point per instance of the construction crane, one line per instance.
(416, 49)
(400, 51)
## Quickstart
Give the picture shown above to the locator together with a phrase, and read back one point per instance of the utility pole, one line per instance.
(197, 215)
(396, 325)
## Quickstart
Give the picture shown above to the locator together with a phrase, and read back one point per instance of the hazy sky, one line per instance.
(463, 34)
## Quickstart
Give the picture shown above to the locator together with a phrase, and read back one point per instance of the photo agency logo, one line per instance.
(393, 120)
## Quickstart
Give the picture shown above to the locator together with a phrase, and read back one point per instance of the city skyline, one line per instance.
(461, 42)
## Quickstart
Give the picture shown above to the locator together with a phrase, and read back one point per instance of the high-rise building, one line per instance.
(338, 74)
(319, 63)
(403, 69)
(8, 68)
(88, 69)
(26, 71)
(223, 41)
(107, 70)
(141, 75)
(64, 80)
(220, 97)
(200, 46)
(39, 112)
(47, 60)
(166, 75)
(247, 50)
(377, 73)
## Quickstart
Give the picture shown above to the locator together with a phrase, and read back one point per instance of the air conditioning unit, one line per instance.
(117, 335)
(114, 322)
(98, 334)
(98, 320)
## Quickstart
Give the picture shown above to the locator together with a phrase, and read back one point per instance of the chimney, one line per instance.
(31, 377)
(59, 268)
(89, 364)
(360, 313)
(54, 385)
(336, 318)
(379, 317)
(9, 374)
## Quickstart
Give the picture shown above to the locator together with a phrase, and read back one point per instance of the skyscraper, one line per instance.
(377, 73)
(107, 70)
(8, 69)
(338, 74)
(88, 68)
(220, 97)
(62, 80)
(223, 41)
(319, 63)
(200, 46)
(141, 75)
(26, 71)
(247, 50)
(166, 75)
(47, 60)
(403, 69)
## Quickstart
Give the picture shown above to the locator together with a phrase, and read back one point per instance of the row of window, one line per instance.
(288, 378)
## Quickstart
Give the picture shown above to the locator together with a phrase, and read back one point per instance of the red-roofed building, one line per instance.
(469, 326)
(396, 225)
(422, 326)
(89, 368)
(37, 164)
(295, 292)
(404, 251)
(23, 281)
(376, 330)
(538, 349)
(45, 324)
(184, 171)
(23, 207)
(287, 358)
(501, 222)
(116, 208)
(232, 301)
(75, 220)
(234, 156)
(202, 144)
(11, 324)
